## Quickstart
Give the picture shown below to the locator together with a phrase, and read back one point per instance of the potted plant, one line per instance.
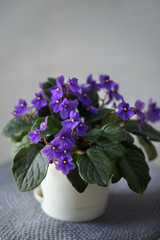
(74, 142)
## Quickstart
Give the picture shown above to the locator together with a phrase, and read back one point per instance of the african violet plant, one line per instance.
(70, 126)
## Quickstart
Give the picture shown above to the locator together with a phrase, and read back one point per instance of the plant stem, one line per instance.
(28, 120)
(50, 109)
(44, 138)
(103, 100)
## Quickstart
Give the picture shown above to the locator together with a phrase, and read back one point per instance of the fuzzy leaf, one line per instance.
(116, 175)
(149, 147)
(73, 176)
(111, 118)
(16, 129)
(134, 169)
(102, 113)
(92, 135)
(147, 130)
(29, 167)
(113, 149)
(95, 167)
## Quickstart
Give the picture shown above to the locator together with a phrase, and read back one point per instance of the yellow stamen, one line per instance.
(44, 124)
(85, 94)
(125, 109)
(63, 137)
(107, 80)
(39, 98)
(54, 148)
(64, 161)
(87, 108)
(65, 106)
(71, 82)
(57, 101)
(14, 113)
(58, 89)
(65, 151)
(72, 120)
(80, 125)
(35, 132)
(22, 105)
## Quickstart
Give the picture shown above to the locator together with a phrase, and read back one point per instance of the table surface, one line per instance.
(127, 216)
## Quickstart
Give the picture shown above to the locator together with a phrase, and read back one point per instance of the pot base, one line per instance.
(61, 201)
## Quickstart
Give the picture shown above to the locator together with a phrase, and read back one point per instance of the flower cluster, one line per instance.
(21, 108)
(71, 104)
(35, 135)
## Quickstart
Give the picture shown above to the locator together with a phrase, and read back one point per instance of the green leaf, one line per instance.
(44, 111)
(77, 182)
(117, 133)
(16, 129)
(50, 83)
(111, 118)
(116, 174)
(92, 135)
(94, 97)
(17, 146)
(95, 167)
(53, 125)
(134, 169)
(102, 113)
(113, 149)
(29, 167)
(147, 130)
(149, 147)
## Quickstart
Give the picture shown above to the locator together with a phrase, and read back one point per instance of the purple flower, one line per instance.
(15, 114)
(139, 106)
(92, 83)
(92, 110)
(55, 104)
(35, 137)
(114, 94)
(106, 82)
(124, 111)
(64, 138)
(22, 107)
(81, 128)
(43, 125)
(73, 85)
(60, 80)
(39, 101)
(72, 122)
(65, 164)
(52, 151)
(84, 98)
(153, 111)
(41, 86)
(56, 91)
(66, 107)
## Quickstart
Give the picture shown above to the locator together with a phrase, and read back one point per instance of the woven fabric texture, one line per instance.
(127, 216)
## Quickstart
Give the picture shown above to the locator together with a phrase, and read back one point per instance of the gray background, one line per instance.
(40, 39)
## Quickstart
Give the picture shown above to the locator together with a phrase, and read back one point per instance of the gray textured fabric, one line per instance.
(127, 216)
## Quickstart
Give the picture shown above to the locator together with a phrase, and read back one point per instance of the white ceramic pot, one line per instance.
(61, 201)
